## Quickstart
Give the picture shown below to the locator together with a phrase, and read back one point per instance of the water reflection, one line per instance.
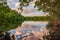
(33, 27)
(30, 26)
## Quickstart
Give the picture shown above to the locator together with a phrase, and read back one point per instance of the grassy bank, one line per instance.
(41, 18)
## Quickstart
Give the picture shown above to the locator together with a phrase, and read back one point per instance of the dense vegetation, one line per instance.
(38, 18)
(11, 19)
(25, 2)
(53, 7)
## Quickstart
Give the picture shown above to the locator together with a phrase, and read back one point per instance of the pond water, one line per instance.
(29, 26)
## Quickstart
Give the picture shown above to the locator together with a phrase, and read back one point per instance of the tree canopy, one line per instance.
(25, 2)
(50, 6)
(53, 8)
(9, 19)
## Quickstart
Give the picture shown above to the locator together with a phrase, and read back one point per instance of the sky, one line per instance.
(27, 11)
(13, 4)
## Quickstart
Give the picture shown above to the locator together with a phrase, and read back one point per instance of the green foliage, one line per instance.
(25, 2)
(36, 18)
(9, 19)
(51, 6)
